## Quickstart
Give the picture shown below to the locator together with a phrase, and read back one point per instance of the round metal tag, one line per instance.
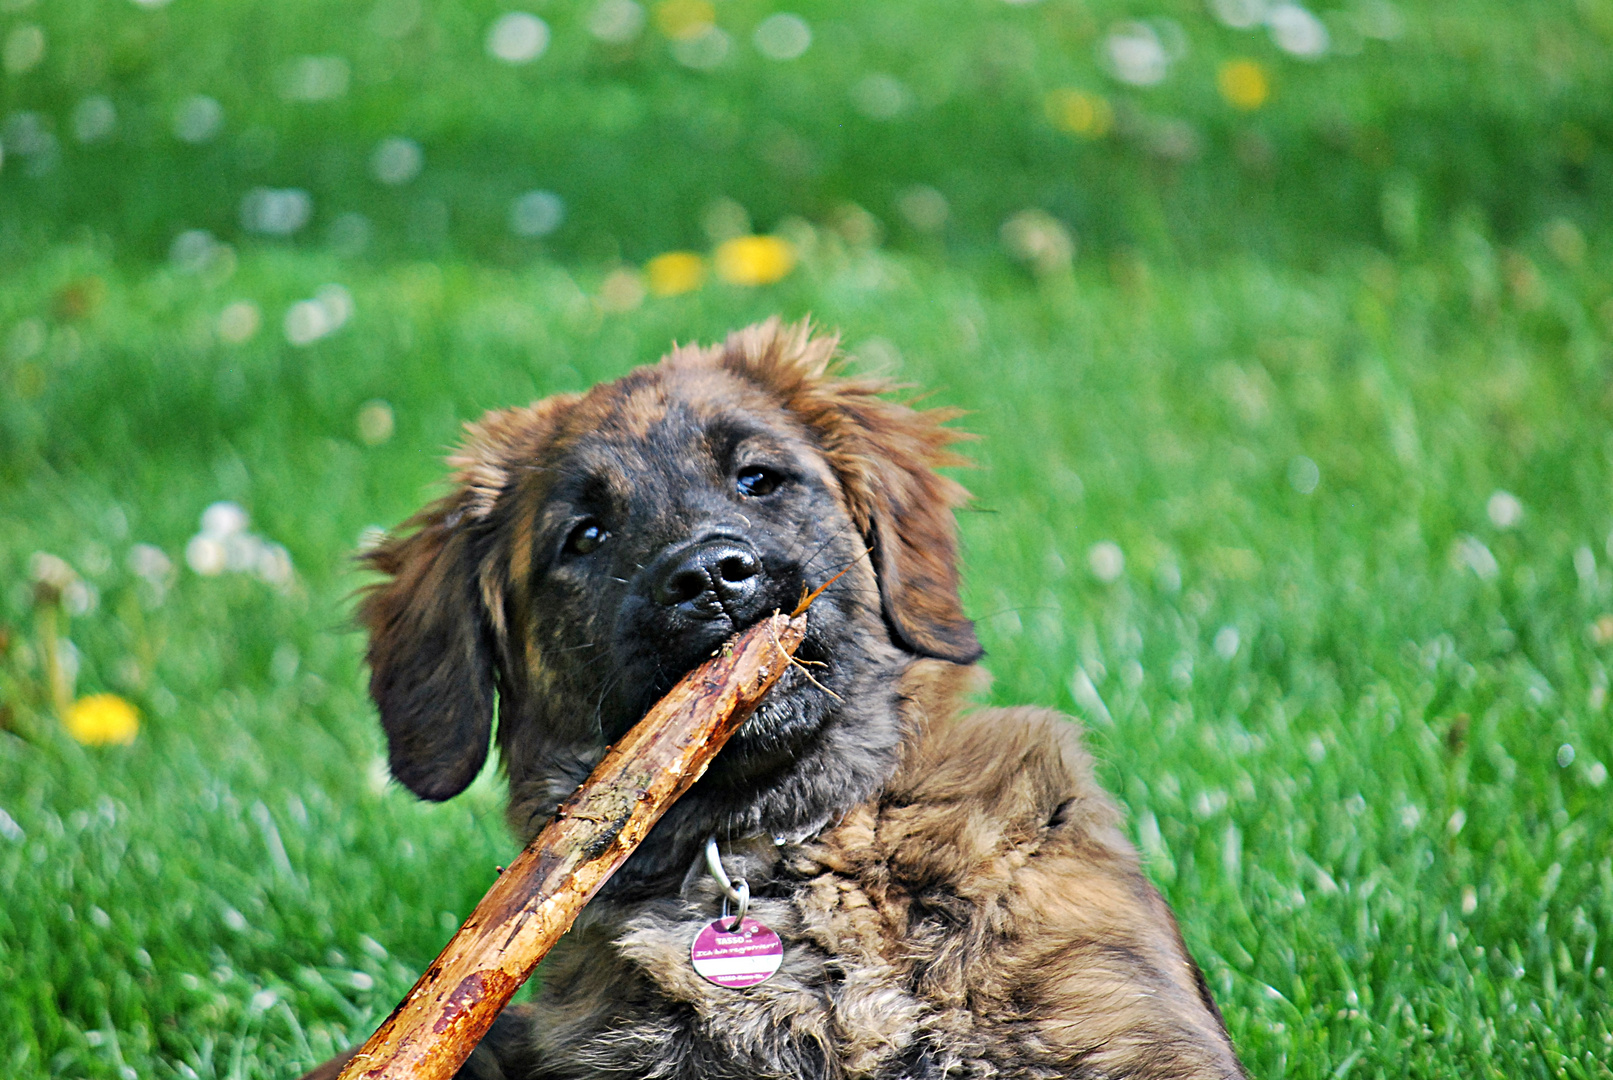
(737, 959)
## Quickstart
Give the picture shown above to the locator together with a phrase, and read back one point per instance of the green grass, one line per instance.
(1357, 715)
(1480, 105)
(202, 899)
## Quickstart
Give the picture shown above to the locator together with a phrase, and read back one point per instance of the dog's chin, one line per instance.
(822, 739)
(652, 661)
(773, 738)
(786, 720)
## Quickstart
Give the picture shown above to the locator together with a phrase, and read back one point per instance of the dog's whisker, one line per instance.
(838, 533)
(599, 701)
(801, 666)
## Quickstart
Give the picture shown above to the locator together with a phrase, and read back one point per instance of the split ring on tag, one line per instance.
(740, 895)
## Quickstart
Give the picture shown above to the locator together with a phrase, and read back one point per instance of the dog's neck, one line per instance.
(848, 761)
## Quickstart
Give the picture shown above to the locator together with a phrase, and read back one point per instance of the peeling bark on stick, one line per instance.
(435, 1028)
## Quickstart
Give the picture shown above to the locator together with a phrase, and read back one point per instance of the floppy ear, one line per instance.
(436, 624)
(886, 455)
(915, 552)
(904, 508)
(431, 658)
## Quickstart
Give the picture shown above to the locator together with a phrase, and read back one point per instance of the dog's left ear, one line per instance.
(904, 508)
(886, 455)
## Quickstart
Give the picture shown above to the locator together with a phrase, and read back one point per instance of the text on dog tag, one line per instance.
(739, 958)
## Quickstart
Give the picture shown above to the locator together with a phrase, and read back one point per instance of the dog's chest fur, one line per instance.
(981, 916)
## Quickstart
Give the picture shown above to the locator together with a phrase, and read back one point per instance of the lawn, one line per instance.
(1293, 484)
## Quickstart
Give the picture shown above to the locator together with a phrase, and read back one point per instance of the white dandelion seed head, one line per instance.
(224, 519)
(616, 22)
(1106, 560)
(703, 52)
(517, 37)
(396, 161)
(94, 118)
(276, 211)
(1297, 31)
(1240, 14)
(782, 36)
(1227, 640)
(1304, 475)
(1134, 54)
(537, 213)
(1504, 509)
(197, 119)
(310, 79)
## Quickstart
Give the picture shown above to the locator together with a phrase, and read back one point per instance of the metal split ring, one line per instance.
(740, 895)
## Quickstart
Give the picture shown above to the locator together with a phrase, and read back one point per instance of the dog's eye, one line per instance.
(586, 537)
(757, 480)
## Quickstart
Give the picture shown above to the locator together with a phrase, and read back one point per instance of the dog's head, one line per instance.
(598, 546)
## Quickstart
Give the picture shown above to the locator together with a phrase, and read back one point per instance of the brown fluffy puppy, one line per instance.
(954, 891)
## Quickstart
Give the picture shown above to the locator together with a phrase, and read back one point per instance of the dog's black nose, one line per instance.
(710, 579)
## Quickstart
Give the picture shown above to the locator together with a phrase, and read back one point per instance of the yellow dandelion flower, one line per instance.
(101, 719)
(754, 260)
(675, 272)
(1079, 113)
(684, 20)
(1244, 84)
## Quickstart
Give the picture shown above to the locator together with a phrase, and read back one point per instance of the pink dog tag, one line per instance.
(739, 959)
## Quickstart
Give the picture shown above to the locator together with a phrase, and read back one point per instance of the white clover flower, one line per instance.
(1304, 474)
(1240, 14)
(52, 570)
(239, 321)
(149, 562)
(273, 564)
(374, 422)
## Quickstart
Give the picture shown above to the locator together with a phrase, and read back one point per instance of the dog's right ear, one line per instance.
(431, 660)
(435, 623)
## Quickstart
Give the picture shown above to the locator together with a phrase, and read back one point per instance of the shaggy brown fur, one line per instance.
(955, 893)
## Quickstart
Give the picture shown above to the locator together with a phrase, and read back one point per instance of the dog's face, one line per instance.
(598, 547)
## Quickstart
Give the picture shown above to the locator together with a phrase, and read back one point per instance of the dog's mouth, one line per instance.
(795, 705)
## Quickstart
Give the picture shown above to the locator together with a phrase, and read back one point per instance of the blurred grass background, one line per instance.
(1288, 331)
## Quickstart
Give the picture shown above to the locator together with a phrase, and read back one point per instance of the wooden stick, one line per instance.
(435, 1028)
